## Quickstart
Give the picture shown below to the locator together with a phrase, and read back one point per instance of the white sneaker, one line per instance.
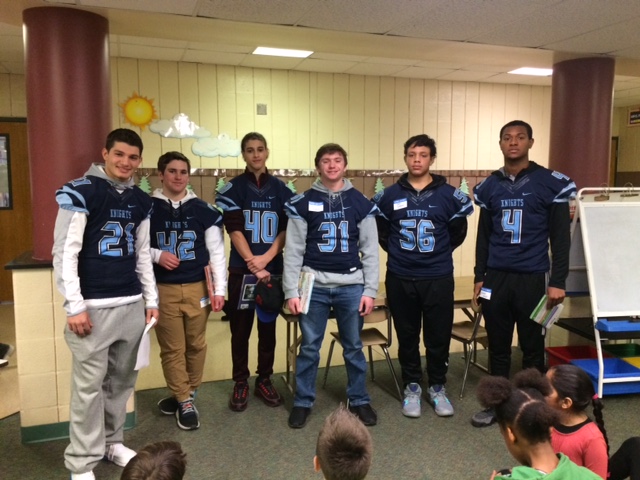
(411, 405)
(440, 402)
(119, 454)
(83, 476)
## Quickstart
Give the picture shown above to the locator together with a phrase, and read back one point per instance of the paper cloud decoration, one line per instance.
(179, 127)
(220, 146)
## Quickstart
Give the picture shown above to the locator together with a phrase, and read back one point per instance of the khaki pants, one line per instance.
(181, 334)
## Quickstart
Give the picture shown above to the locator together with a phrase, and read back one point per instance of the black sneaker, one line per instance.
(187, 415)
(238, 400)
(267, 392)
(366, 414)
(6, 351)
(168, 405)
(484, 418)
(298, 417)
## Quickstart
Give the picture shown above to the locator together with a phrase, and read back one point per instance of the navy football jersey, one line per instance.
(262, 208)
(332, 227)
(181, 231)
(519, 210)
(107, 260)
(419, 244)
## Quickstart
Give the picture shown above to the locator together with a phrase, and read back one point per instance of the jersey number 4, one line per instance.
(262, 226)
(181, 246)
(512, 223)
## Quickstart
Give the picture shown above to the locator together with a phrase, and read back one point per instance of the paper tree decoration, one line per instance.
(464, 186)
(189, 187)
(379, 186)
(221, 183)
(291, 186)
(144, 184)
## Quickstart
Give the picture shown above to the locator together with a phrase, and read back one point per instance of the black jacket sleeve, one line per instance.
(560, 242)
(383, 232)
(485, 227)
(457, 231)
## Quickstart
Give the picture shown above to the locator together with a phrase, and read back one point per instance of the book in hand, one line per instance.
(248, 293)
(211, 286)
(305, 286)
(546, 316)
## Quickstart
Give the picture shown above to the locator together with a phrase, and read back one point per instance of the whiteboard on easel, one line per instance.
(577, 282)
(610, 227)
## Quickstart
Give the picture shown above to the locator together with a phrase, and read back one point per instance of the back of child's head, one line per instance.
(344, 447)
(157, 461)
(520, 404)
(572, 382)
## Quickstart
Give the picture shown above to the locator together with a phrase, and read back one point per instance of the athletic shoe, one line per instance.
(83, 476)
(298, 417)
(484, 418)
(168, 405)
(412, 400)
(187, 415)
(239, 397)
(119, 454)
(439, 400)
(6, 351)
(366, 414)
(3, 363)
(267, 392)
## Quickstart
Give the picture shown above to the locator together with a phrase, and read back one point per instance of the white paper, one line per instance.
(144, 350)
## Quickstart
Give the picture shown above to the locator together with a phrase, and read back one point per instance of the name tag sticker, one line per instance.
(204, 301)
(485, 293)
(398, 204)
(316, 206)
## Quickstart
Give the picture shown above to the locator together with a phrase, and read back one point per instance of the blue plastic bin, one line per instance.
(613, 368)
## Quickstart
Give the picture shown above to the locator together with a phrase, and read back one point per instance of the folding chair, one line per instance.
(470, 333)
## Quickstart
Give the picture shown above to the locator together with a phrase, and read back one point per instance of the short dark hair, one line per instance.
(157, 461)
(330, 148)
(252, 136)
(124, 135)
(520, 405)
(517, 123)
(344, 447)
(168, 157)
(421, 140)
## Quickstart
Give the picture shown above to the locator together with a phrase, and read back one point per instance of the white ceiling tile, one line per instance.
(152, 42)
(318, 65)
(151, 53)
(181, 7)
(264, 61)
(519, 79)
(279, 12)
(337, 56)
(219, 47)
(220, 58)
(466, 76)
(417, 72)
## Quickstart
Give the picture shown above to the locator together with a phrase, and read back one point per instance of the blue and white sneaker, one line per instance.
(440, 402)
(411, 405)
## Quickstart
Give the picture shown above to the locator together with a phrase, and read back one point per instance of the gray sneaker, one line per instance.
(439, 400)
(412, 400)
(484, 418)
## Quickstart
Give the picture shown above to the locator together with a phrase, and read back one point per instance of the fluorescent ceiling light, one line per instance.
(538, 72)
(282, 52)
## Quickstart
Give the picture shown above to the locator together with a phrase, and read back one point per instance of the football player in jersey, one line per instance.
(524, 210)
(423, 219)
(253, 214)
(103, 269)
(186, 237)
(332, 234)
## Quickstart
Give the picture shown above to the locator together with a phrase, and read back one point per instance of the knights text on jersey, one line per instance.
(332, 227)
(519, 211)
(181, 231)
(107, 261)
(262, 208)
(419, 245)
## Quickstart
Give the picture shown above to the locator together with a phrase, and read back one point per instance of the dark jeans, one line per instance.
(241, 323)
(417, 304)
(513, 298)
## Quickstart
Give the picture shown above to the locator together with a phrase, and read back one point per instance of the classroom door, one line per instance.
(15, 222)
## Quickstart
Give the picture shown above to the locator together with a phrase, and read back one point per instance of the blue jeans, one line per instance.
(344, 301)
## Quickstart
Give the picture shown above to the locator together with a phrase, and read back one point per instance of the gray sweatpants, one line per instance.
(102, 380)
